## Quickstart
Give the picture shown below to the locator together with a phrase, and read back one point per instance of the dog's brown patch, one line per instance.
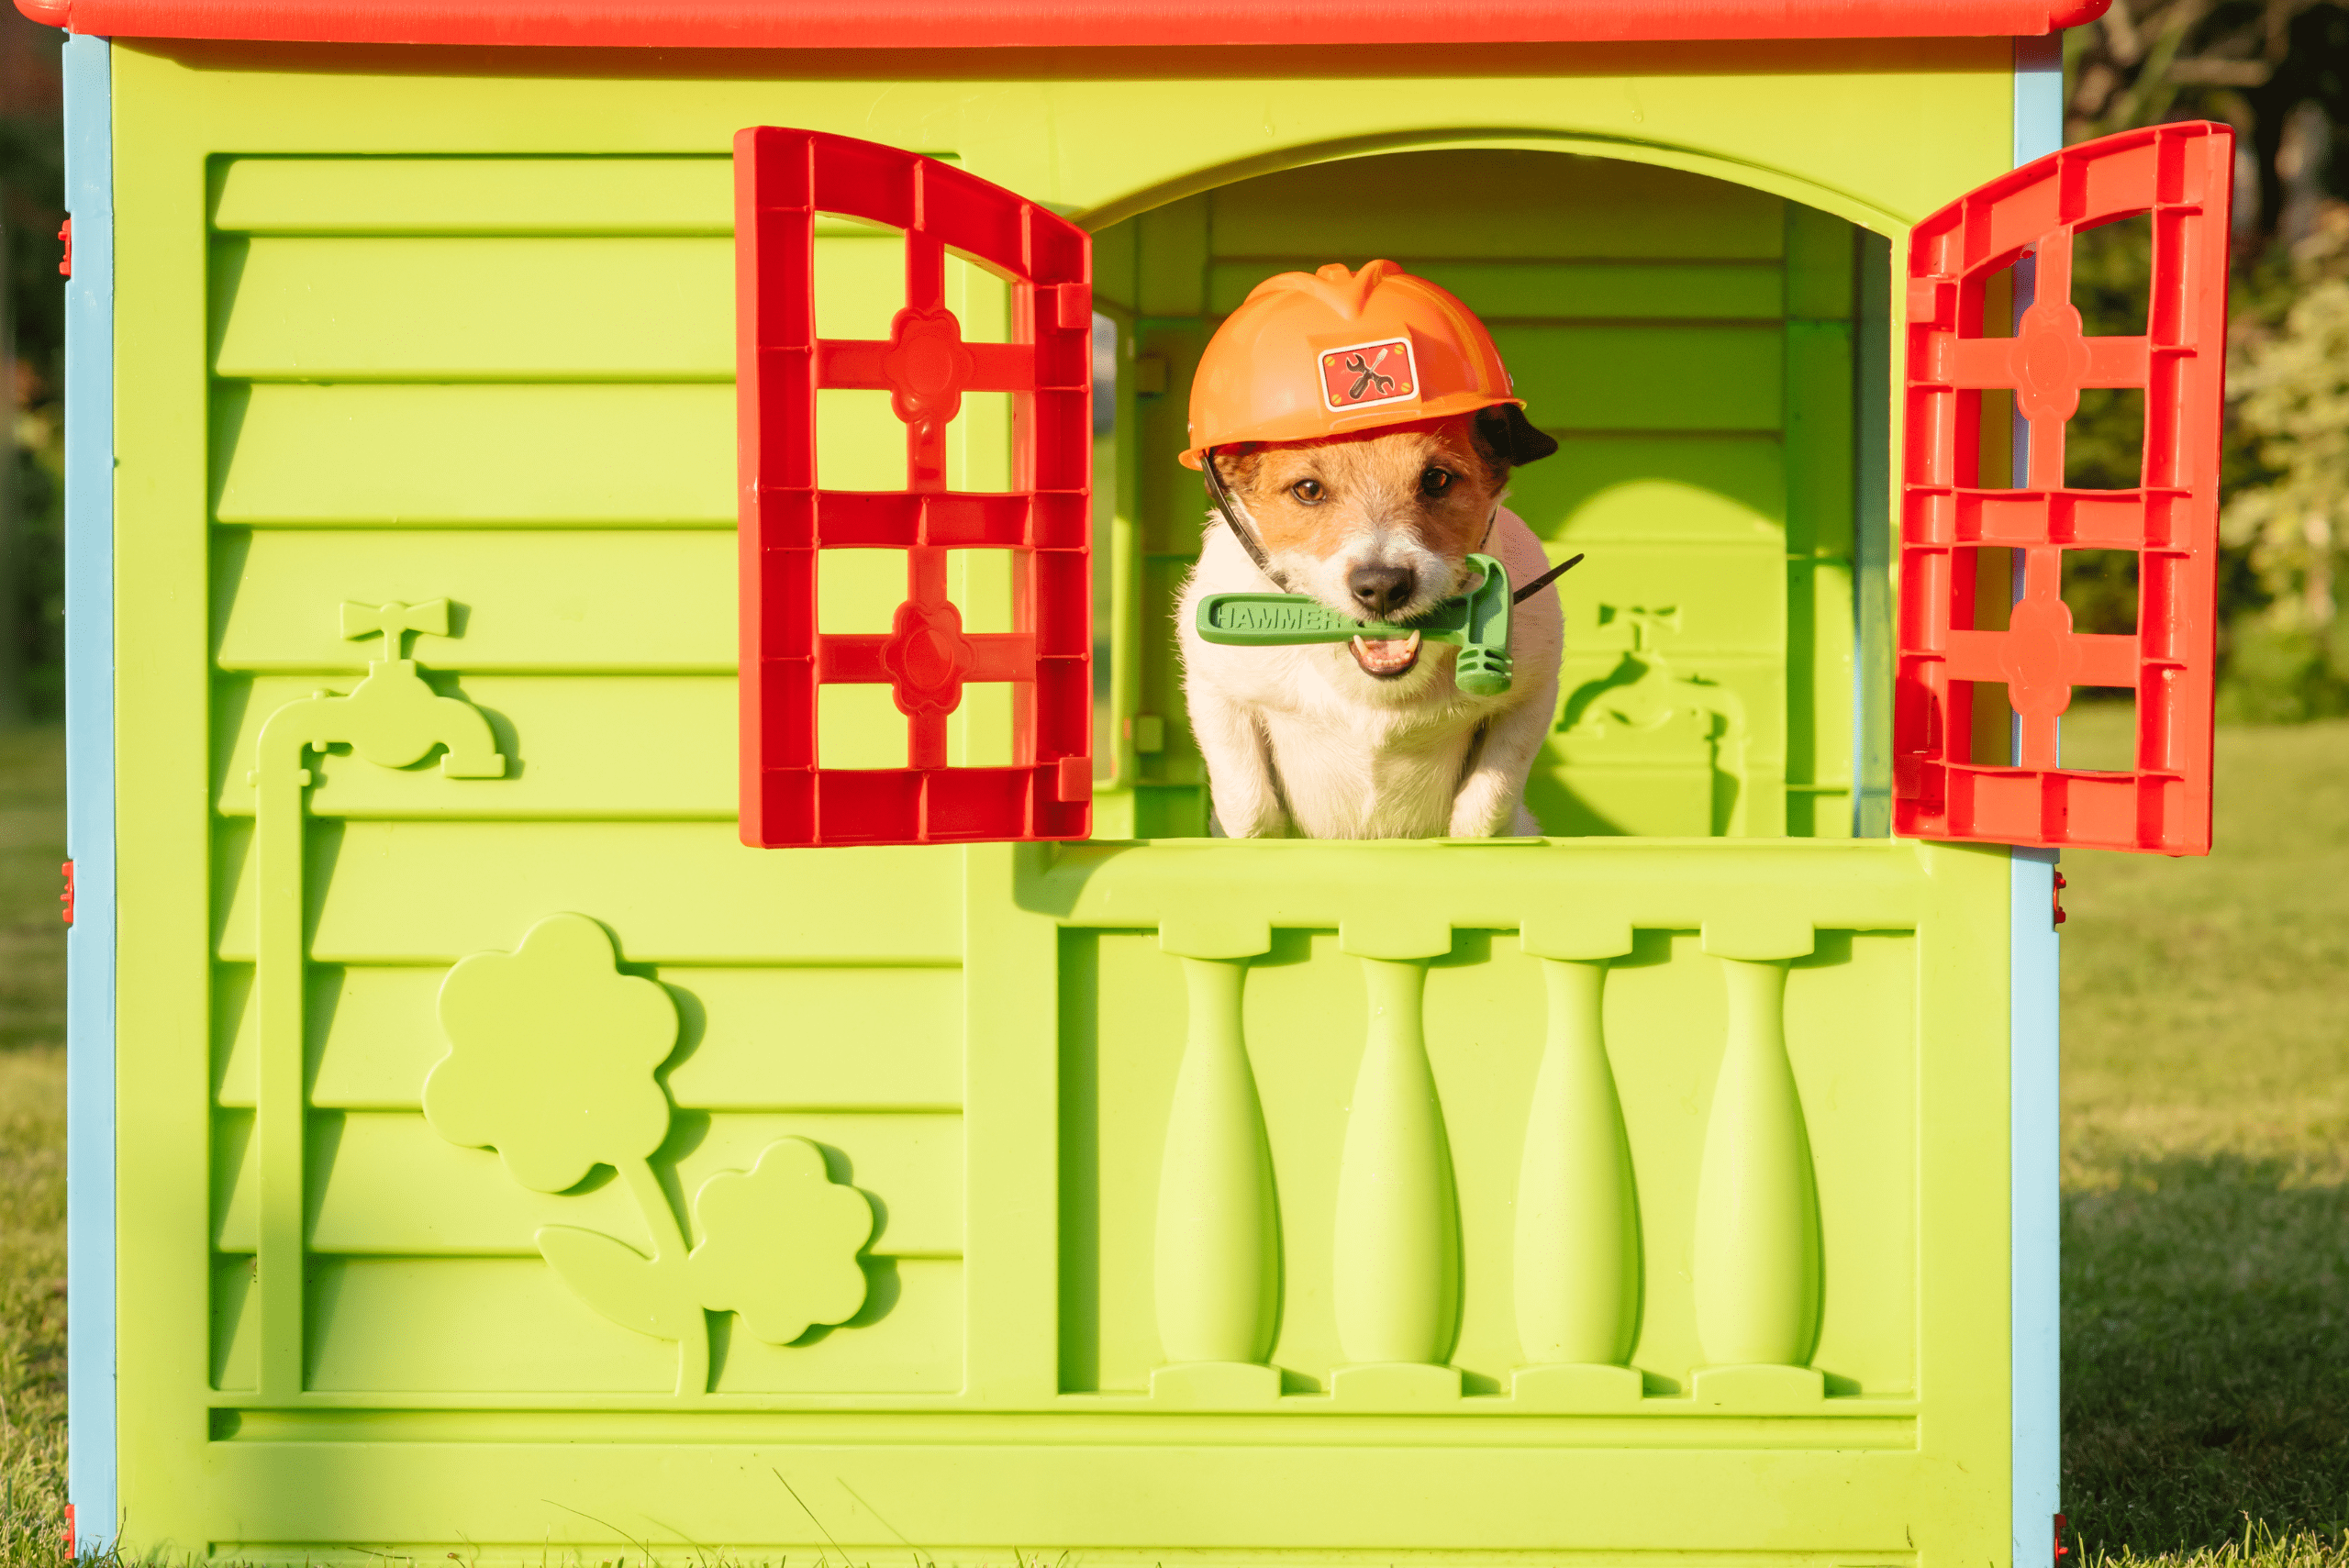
(1313, 495)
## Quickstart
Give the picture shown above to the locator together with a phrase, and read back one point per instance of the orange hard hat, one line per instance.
(1315, 354)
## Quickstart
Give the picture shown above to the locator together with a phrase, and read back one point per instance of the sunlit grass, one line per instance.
(2206, 1097)
(32, 1151)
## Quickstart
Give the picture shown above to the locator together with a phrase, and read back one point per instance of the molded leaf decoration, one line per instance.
(551, 1059)
(616, 1281)
(779, 1245)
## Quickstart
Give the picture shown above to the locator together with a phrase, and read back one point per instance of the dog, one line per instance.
(1372, 738)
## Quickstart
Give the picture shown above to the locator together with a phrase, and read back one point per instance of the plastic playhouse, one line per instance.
(649, 976)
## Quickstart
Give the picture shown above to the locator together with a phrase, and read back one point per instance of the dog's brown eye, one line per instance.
(1435, 482)
(1307, 490)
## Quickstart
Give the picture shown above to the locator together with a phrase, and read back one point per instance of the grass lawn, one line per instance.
(2206, 1090)
(32, 1148)
(2205, 1265)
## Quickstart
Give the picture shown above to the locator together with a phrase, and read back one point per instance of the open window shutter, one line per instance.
(783, 180)
(2179, 174)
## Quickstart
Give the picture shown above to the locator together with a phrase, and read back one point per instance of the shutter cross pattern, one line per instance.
(2179, 174)
(783, 178)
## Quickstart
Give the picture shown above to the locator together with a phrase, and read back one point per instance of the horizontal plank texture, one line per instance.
(431, 892)
(436, 1327)
(474, 195)
(748, 1039)
(384, 1184)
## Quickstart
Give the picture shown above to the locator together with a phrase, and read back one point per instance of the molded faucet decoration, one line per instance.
(392, 719)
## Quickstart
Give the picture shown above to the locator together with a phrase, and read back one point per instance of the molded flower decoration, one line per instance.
(779, 1245)
(550, 1060)
(927, 366)
(928, 658)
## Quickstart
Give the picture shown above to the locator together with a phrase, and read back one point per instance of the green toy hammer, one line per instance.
(1476, 622)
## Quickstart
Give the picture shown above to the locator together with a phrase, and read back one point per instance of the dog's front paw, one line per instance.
(1476, 817)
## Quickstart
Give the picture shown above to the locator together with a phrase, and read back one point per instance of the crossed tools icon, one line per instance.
(1366, 373)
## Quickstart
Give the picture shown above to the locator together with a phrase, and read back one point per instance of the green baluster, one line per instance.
(1218, 1248)
(1577, 1256)
(1397, 1259)
(1756, 1265)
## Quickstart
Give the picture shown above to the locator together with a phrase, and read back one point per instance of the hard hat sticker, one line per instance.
(1363, 375)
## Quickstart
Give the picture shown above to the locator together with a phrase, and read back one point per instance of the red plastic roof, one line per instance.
(969, 24)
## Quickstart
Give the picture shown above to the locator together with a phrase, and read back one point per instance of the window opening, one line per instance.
(2100, 730)
(2113, 275)
(1723, 324)
(859, 590)
(1108, 345)
(1872, 604)
(2104, 446)
(2100, 590)
(860, 442)
(857, 726)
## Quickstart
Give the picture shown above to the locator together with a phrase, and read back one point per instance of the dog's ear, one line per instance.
(1238, 463)
(1510, 437)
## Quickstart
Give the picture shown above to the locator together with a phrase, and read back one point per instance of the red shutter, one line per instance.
(2180, 173)
(781, 179)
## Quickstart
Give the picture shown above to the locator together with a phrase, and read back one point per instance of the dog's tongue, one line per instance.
(1386, 655)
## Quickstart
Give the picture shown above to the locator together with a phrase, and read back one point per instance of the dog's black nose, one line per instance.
(1381, 590)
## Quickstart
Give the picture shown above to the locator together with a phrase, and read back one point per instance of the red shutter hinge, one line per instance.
(66, 897)
(2062, 1550)
(2058, 900)
(66, 235)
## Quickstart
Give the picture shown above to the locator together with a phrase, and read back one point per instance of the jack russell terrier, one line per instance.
(1357, 431)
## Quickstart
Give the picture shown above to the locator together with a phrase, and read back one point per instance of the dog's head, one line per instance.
(1378, 525)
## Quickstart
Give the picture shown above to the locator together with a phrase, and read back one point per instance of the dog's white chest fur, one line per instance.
(1299, 741)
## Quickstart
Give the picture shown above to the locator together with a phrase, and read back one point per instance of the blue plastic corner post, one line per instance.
(91, 1430)
(2034, 1075)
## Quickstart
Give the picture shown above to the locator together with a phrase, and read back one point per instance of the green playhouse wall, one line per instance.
(1640, 1190)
